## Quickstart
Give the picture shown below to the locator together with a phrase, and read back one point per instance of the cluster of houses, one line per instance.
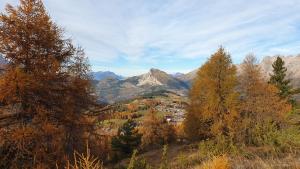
(174, 111)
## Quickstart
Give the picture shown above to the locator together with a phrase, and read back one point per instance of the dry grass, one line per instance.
(223, 162)
(220, 162)
(289, 162)
(196, 160)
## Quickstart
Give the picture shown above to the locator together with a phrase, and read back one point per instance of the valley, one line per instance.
(169, 106)
(151, 87)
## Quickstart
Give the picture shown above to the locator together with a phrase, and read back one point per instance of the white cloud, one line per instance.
(110, 29)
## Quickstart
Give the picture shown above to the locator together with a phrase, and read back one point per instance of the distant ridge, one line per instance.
(100, 75)
(177, 74)
(188, 77)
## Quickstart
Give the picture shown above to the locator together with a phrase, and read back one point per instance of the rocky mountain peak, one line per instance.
(151, 78)
(154, 70)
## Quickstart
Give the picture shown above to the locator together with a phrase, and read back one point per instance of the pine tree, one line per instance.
(213, 98)
(127, 139)
(46, 86)
(279, 79)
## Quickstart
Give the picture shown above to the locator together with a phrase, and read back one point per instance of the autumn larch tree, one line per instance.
(213, 99)
(155, 131)
(259, 103)
(45, 85)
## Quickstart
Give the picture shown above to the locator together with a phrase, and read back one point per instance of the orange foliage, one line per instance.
(259, 99)
(260, 102)
(132, 107)
(221, 162)
(46, 84)
(213, 98)
(155, 131)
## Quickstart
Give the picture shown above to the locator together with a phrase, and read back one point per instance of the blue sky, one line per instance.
(131, 36)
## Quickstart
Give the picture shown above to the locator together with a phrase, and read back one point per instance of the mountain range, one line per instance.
(113, 88)
(100, 75)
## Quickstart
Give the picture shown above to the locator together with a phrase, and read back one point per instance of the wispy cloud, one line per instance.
(176, 34)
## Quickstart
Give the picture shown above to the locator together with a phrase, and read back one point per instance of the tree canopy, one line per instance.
(259, 102)
(45, 83)
(213, 98)
(278, 77)
(127, 138)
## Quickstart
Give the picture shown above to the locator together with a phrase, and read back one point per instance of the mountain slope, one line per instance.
(105, 74)
(112, 89)
(188, 78)
(156, 77)
(177, 75)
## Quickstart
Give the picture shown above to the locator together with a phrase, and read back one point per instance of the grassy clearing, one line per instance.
(193, 157)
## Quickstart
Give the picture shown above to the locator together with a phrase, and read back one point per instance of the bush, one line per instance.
(218, 146)
(265, 139)
(278, 140)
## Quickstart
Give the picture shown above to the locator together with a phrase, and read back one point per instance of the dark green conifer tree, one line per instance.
(127, 139)
(278, 78)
